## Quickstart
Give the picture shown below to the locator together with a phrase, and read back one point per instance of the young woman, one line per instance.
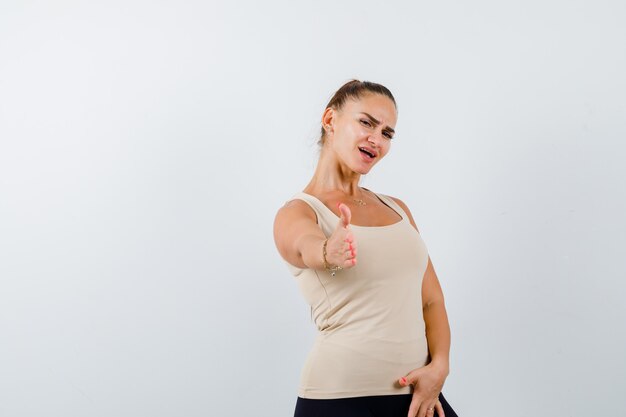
(383, 344)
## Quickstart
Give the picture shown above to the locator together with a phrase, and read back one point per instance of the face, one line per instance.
(360, 133)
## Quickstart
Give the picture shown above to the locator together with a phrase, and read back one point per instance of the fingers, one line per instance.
(414, 407)
(349, 252)
(419, 408)
(341, 247)
(428, 411)
(425, 393)
(423, 409)
(342, 252)
(439, 409)
(346, 214)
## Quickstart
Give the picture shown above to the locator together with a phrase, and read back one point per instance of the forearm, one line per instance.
(438, 335)
(310, 250)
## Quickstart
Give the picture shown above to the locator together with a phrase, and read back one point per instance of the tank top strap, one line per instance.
(326, 219)
(391, 202)
(313, 202)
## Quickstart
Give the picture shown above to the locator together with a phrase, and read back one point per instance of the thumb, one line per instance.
(345, 214)
(410, 378)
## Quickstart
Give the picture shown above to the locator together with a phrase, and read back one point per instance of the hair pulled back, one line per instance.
(354, 89)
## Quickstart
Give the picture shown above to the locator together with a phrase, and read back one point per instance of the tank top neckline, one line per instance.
(402, 217)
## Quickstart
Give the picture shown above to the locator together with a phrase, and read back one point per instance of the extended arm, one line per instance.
(300, 240)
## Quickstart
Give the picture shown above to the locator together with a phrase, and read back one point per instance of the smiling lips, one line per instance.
(368, 153)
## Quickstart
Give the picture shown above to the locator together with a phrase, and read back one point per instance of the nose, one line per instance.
(376, 138)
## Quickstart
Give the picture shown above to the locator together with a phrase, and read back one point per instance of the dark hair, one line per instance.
(354, 89)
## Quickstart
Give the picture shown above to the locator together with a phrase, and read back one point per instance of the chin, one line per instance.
(364, 171)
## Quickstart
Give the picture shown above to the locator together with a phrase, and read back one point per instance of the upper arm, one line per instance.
(294, 220)
(431, 289)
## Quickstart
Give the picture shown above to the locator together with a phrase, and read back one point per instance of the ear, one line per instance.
(328, 119)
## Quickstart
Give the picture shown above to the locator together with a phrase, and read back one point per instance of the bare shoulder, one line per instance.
(294, 220)
(295, 209)
(406, 210)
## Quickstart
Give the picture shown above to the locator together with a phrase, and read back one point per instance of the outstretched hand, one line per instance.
(341, 246)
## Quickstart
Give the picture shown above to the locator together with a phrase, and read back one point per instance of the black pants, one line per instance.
(372, 406)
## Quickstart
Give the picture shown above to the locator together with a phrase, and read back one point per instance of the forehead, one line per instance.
(379, 106)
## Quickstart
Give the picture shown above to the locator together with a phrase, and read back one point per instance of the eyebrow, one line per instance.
(377, 122)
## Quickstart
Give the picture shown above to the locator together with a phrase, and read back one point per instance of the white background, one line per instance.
(145, 147)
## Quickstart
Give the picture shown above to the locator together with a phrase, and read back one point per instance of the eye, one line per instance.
(388, 135)
(365, 122)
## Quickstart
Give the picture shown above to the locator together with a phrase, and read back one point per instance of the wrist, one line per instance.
(441, 365)
(330, 268)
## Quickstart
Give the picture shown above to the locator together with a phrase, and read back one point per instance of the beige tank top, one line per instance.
(371, 330)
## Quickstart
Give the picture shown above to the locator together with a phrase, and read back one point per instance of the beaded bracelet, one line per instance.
(332, 269)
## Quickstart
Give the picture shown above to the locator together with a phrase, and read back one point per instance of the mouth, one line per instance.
(370, 155)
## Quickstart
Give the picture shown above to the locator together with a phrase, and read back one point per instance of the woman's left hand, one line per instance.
(427, 383)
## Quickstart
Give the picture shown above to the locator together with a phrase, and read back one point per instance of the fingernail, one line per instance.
(403, 380)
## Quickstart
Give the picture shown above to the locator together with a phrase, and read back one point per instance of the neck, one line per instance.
(333, 176)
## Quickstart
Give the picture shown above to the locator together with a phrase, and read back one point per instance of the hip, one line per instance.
(339, 367)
